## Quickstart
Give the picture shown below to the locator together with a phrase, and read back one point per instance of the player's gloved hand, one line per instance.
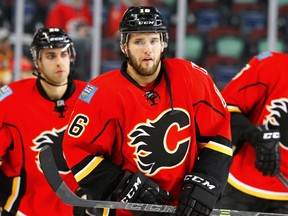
(266, 145)
(139, 189)
(198, 196)
(82, 211)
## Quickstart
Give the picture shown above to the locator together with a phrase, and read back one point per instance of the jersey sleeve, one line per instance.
(11, 145)
(5, 141)
(248, 89)
(10, 141)
(213, 129)
(86, 126)
(88, 140)
(247, 93)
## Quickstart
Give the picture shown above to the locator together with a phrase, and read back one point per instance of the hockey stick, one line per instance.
(282, 178)
(54, 179)
(58, 185)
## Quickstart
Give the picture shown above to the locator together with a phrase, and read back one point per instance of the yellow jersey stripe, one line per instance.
(264, 194)
(220, 148)
(233, 109)
(106, 211)
(14, 193)
(88, 168)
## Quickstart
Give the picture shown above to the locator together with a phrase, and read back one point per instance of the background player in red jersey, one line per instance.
(258, 101)
(34, 113)
(155, 131)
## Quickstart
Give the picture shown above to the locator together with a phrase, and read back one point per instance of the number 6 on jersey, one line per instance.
(78, 125)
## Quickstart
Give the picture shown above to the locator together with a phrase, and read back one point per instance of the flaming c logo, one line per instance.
(54, 140)
(162, 143)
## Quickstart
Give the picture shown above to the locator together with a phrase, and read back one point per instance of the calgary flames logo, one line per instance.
(162, 143)
(278, 118)
(54, 140)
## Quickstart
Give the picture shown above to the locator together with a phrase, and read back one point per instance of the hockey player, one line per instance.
(155, 131)
(258, 101)
(34, 113)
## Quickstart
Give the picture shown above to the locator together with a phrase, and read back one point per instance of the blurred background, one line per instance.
(219, 35)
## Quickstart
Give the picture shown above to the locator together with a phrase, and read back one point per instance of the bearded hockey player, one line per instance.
(154, 131)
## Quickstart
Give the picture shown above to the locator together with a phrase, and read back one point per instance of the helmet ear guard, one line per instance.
(142, 19)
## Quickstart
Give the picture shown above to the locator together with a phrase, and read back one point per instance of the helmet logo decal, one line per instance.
(162, 143)
(144, 10)
(146, 22)
(46, 36)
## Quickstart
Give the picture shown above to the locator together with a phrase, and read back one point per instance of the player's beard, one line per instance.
(143, 71)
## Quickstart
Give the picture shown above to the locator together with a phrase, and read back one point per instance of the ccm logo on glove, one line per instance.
(271, 135)
(132, 191)
(136, 187)
(200, 180)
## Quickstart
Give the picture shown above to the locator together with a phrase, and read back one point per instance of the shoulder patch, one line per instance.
(263, 55)
(87, 94)
(5, 91)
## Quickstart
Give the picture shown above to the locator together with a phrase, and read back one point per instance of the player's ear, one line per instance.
(123, 48)
(36, 64)
(162, 46)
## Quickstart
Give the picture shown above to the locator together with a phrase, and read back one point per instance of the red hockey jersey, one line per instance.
(29, 121)
(260, 92)
(159, 135)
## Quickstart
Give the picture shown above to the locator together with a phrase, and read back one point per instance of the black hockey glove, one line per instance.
(266, 145)
(139, 189)
(198, 196)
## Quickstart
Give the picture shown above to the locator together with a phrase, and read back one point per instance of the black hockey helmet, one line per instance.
(142, 19)
(45, 38)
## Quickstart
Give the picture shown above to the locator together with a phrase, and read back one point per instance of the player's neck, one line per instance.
(54, 92)
(148, 87)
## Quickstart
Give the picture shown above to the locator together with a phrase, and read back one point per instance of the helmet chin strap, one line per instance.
(38, 75)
